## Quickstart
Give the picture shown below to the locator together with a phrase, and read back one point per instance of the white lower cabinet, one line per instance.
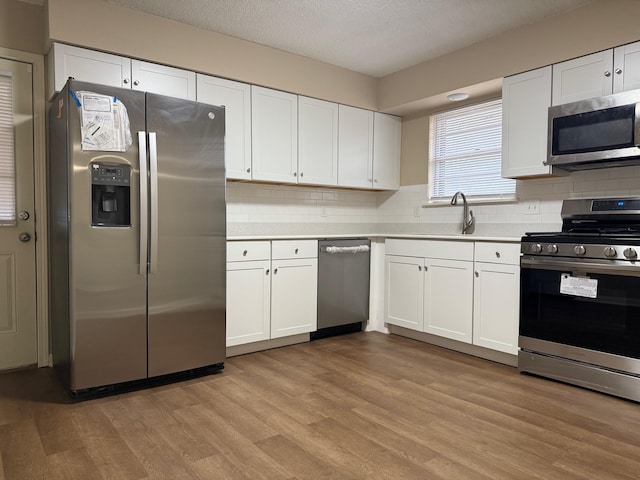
(271, 289)
(496, 291)
(448, 299)
(432, 286)
(248, 302)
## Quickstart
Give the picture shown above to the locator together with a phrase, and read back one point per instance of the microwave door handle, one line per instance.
(628, 269)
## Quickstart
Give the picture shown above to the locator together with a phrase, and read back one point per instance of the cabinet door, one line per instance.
(626, 67)
(163, 80)
(582, 78)
(496, 307)
(355, 147)
(274, 141)
(248, 302)
(404, 290)
(317, 142)
(88, 66)
(448, 299)
(525, 101)
(294, 297)
(236, 98)
(387, 135)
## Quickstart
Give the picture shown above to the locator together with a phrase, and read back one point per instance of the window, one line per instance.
(7, 153)
(465, 153)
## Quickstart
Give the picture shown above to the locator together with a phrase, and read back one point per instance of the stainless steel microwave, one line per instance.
(595, 133)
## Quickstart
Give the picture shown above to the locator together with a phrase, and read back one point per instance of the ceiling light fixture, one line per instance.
(456, 97)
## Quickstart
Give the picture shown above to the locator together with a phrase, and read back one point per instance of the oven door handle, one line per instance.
(629, 269)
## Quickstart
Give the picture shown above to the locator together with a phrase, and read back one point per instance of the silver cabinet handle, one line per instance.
(144, 206)
(125, 81)
(419, 268)
(248, 170)
(607, 73)
(618, 71)
(267, 272)
(295, 251)
(244, 254)
(295, 174)
(275, 271)
(153, 190)
(301, 174)
(375, 180)
(477, 274)
(497, 254)
(136, 82)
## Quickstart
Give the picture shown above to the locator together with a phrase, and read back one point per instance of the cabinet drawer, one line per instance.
(493, 252)
(246, 251)
(282, 249)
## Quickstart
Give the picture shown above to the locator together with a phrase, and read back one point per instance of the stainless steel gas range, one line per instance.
(580, 298)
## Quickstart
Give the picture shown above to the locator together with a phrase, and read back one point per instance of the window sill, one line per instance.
(447, 203)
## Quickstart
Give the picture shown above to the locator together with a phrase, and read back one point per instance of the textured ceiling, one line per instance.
(375, 37)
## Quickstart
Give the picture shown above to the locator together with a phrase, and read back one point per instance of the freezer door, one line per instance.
(107, 294)
(187, 237)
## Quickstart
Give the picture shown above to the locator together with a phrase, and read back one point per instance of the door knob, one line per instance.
(24, 237)
(24, 215)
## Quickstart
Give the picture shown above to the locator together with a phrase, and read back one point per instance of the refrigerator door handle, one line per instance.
(144, 215)
(153, 170)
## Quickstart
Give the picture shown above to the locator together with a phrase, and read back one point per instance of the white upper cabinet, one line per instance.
(582, 78)
(598, 74)
(112, 70)
(88, 66)
(626, 67)
(236, 98)
(387, 136)
(163, 80)
(355, 147)
(274, 127)
(526, 98)
(317, 142)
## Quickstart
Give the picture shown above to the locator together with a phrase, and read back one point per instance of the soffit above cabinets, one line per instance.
(374, 37)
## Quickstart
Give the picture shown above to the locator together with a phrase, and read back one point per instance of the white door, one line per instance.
(626, 67)
(317, 142)
(294, 296)
(404, 288)
(18, 340)
(274, 135)
(163, 80)
(387, 136)
(355, 147)
(582, 78)
(448, 299)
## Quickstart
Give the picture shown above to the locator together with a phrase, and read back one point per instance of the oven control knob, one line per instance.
(630, 253)
(579, 250)
(610, 252)
(552, 249)
(536, 248)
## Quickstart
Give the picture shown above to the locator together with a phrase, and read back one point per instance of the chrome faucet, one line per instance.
(468, 222)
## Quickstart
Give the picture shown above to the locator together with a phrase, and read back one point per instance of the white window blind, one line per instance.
(7, 152)
(465, 153)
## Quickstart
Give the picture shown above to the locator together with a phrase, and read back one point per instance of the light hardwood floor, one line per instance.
(361, 406)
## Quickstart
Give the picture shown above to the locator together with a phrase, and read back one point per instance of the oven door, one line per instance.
(584, 310)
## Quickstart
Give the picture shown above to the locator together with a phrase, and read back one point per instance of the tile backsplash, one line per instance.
(537, 208)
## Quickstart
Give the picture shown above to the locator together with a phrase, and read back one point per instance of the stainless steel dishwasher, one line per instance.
(343, 286)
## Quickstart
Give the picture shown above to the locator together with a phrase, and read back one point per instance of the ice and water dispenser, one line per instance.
(110, 195)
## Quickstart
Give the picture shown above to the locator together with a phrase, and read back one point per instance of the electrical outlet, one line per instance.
(532, 207)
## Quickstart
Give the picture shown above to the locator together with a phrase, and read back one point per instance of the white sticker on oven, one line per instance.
(578, 286)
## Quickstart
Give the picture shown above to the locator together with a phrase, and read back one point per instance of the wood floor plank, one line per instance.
(360, 406)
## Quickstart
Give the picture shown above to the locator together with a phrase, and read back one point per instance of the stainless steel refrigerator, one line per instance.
(137, 235)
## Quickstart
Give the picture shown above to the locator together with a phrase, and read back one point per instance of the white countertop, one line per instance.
(430, 236)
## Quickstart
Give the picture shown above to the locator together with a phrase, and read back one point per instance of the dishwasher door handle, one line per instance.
(354, 249)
